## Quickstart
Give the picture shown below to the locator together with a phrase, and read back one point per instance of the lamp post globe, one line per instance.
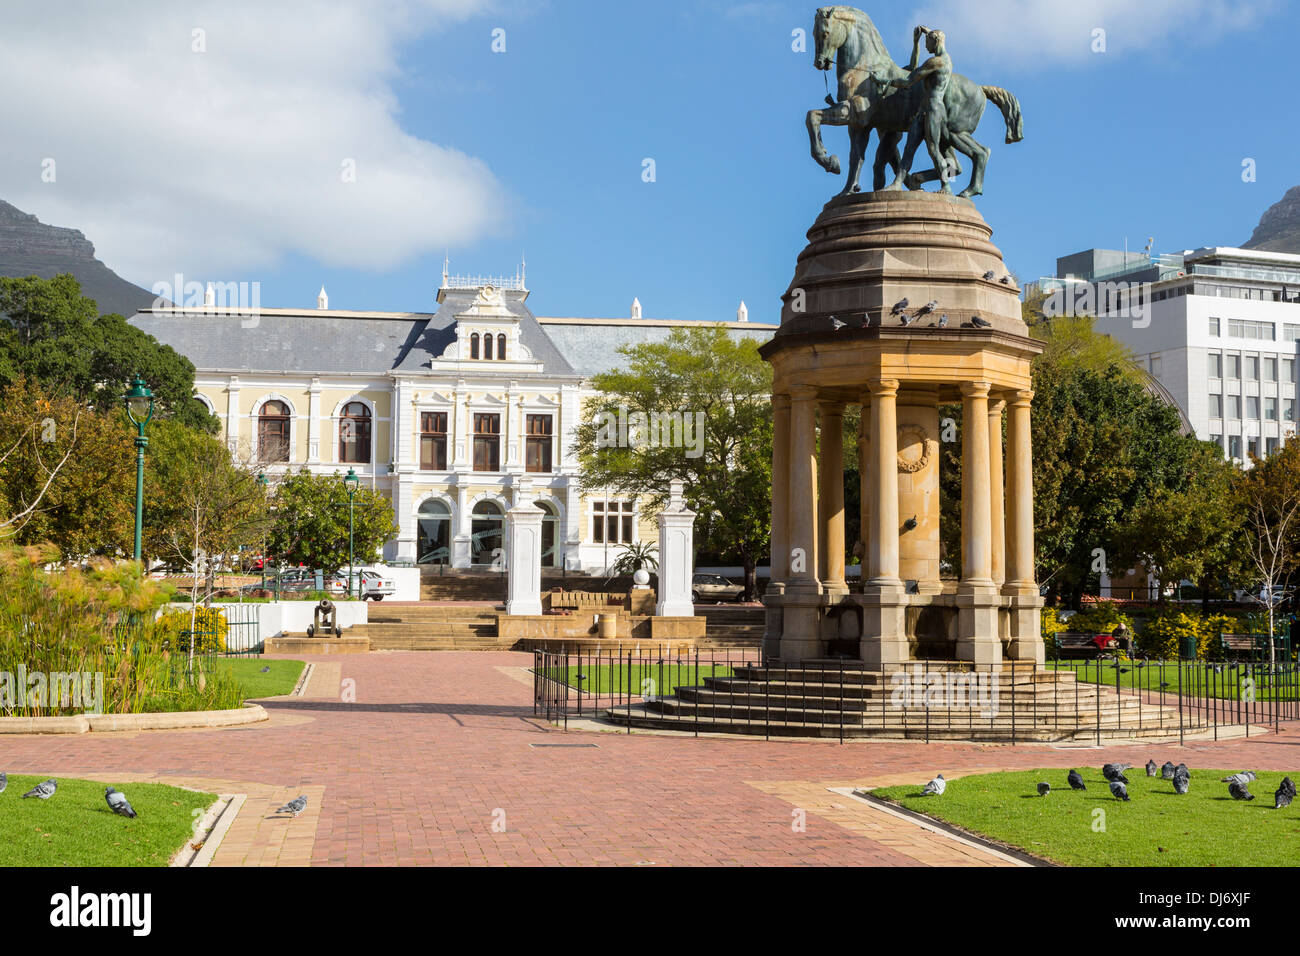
(139, 408)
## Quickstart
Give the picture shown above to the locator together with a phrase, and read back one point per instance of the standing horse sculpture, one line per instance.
(866, 99)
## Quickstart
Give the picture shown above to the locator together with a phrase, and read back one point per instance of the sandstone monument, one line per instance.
(899, 303)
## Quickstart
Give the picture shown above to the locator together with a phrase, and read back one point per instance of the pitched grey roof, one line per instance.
(591, 345)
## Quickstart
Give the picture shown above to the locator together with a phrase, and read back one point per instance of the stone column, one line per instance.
(801, 613)
(523, 558)
(918, 488)
(997, 510)
(232, 417)
(1021, 590)
(830, 559)
(461, 525)
(977, 600)
(882, 549)
(884, 634)
(865, 534)
(676, 556)
(314, 423)
(779, 563)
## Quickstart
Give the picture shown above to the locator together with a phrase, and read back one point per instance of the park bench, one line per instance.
(1074, 644)
(560, 600)
(1249, 647)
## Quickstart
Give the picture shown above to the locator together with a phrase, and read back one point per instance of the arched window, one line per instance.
(501, 347)
(487, 346)
(434, 533)
(473, 346)
(273, 432)
(354, 434)
(486, 522)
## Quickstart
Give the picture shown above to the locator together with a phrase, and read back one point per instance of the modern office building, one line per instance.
(1216, 328)
(456, 414)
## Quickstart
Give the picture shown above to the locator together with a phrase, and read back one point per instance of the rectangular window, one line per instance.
(1270, 445)
(1234, 446)
(1270, 368)
(1216, 406)
(1252, 407)
(1247, 329)
(1234, 367)
(1216, 364)
(1155, 365)
(538, 444)
(1288, 409)
(1234, 406)
(613, 522)
(433, 441)
(1270, 408)
(1288, 370)
(1214, 326)
(1217, 439)
(1252, 447)
(1291, 332)
(1252, 368)
(487, 442)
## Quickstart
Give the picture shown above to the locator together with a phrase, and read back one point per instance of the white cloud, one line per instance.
(1034, 32)
(221, 162)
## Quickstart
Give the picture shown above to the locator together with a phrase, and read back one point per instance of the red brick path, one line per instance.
(438, 743)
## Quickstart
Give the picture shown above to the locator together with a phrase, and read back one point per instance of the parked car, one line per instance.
(714, 587)
(371, 583)
(300, 580)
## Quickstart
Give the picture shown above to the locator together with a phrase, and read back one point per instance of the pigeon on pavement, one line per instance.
(928, 307)
(1076, 781)
(990, 274)
(1167, 771)
(980, 323)
(1044, 789)
(943, 321)
(294, 806)
(118, 801)
(1152, 769)
(1239, 792)
(1182, 780)
(935, 787)
(1118, 790)
(43, 791)
(899, 307)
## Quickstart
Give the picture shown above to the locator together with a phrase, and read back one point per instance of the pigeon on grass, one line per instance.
(295, 806)
(1167, 771)
(1182, 780)
(1284, 795)
(1115, 771)
(1238, 791)
(935, 787)
(1044, 789)
(1243, 778)
(4, 781)
(1118, 790)
(42, 791)
(119, 803)
(1076, 781)
(1152, 769)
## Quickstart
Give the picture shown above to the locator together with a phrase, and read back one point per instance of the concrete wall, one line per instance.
(277, 617)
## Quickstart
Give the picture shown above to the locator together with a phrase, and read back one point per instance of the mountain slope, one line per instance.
(30, 247)
(1279, 227)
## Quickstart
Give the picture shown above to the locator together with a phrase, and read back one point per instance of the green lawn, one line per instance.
(1157, 827)
(75, 827)
(280, 679)
(1198, 679)
(616, 678)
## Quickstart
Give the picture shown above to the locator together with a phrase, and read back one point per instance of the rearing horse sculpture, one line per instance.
(866, 100)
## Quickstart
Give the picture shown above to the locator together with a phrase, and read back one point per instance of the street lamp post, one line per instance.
(139, 408)
(351, 481)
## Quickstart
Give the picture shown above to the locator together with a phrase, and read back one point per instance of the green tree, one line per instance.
(67, 473)
(201, 505)
(55, 335)
(309, 521)
(1270, 492)
(700, 375)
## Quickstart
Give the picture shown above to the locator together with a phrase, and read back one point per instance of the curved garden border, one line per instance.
(106, 723)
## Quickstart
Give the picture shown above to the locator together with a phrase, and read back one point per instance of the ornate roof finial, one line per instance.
(322, 300)
(636, 308)
(742, 314)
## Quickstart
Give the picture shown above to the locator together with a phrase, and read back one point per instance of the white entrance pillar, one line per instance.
(523, 560)
(676, 556)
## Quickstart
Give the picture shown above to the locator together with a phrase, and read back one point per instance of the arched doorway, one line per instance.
(550, 535)
(485, 532)
(433, 534)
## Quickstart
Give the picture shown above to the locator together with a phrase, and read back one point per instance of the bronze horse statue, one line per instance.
(867, 98)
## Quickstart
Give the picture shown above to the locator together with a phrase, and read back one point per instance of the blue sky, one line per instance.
(539, 149)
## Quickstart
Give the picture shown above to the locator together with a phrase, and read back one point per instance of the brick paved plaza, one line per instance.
(414, 771)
